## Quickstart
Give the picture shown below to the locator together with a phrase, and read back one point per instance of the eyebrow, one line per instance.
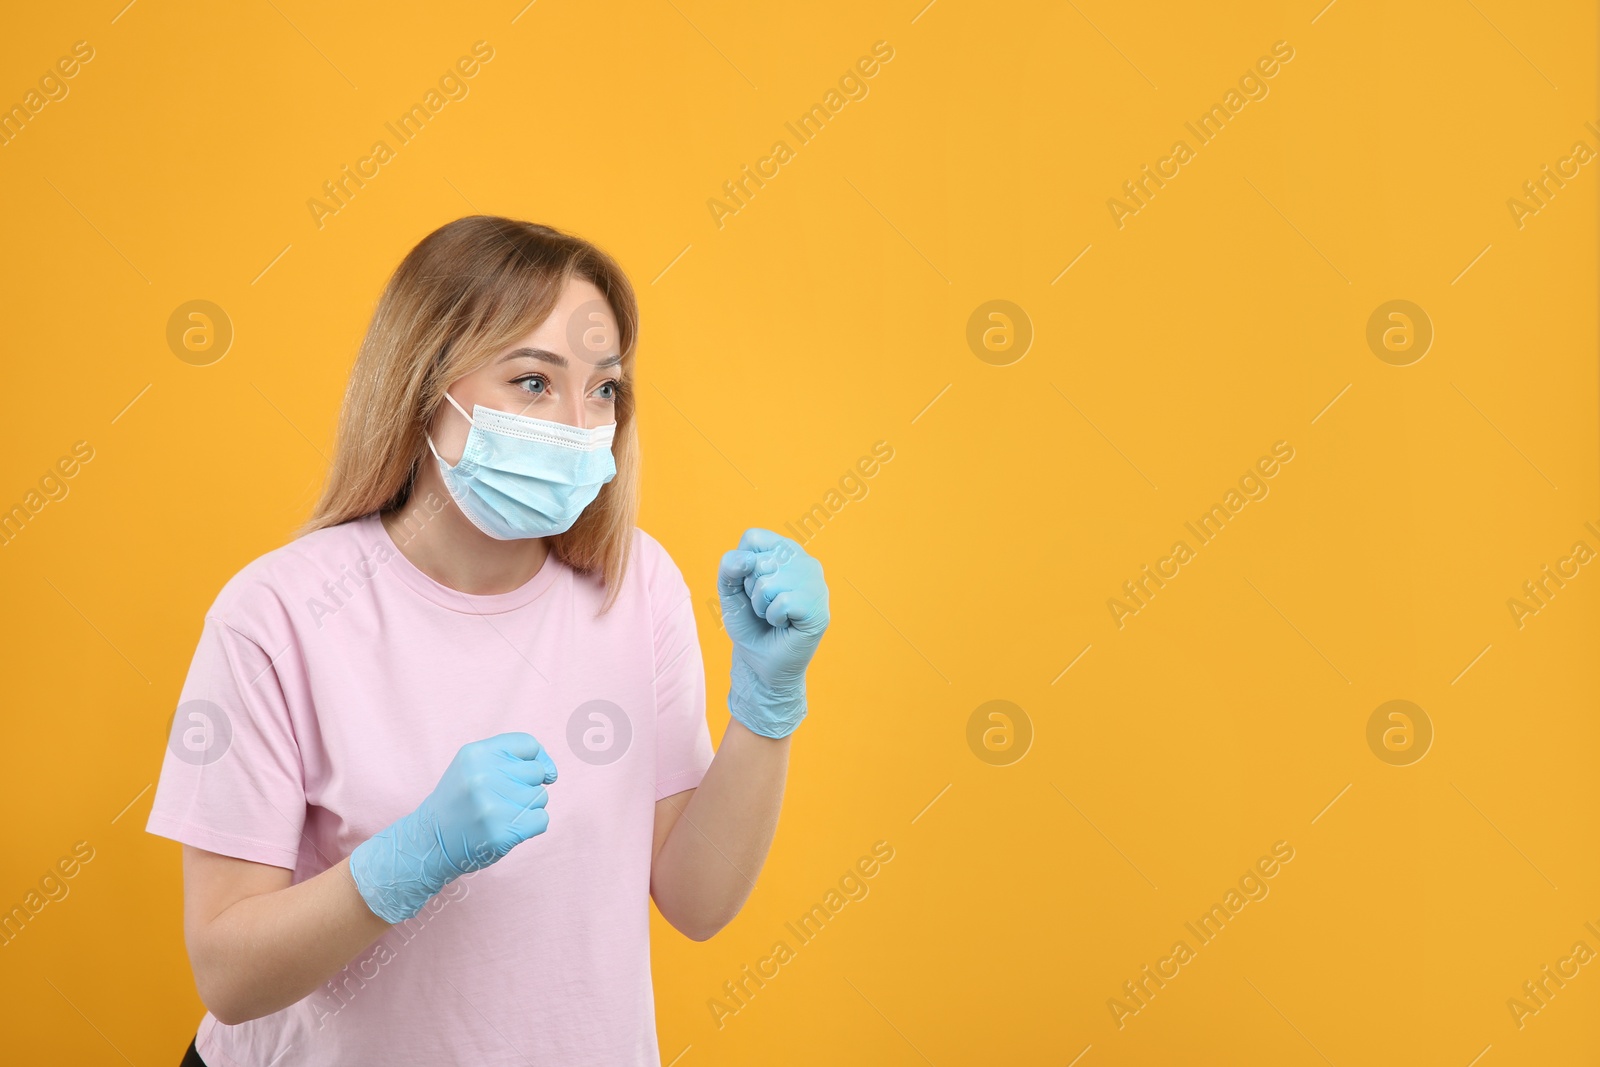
(551, 357)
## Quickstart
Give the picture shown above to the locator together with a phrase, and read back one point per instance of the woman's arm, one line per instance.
(256, 943)
(710, 846)
(712, 841)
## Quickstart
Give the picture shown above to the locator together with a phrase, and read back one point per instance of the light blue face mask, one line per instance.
(525, 477)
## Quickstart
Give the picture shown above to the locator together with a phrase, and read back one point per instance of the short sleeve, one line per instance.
(683, 740)
(231, 779)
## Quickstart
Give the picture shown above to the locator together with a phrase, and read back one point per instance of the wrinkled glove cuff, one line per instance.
(771, 711)
(377, 866)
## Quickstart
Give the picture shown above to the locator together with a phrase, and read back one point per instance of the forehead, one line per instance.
(581, 324)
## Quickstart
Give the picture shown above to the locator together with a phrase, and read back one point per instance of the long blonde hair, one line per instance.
(466, 292)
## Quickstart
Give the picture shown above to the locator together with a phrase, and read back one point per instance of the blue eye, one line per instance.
(613, 384)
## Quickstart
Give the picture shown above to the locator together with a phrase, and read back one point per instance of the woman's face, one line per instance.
(566, 370)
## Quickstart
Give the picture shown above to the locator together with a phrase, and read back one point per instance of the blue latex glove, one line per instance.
(490, 800)
(775, 607)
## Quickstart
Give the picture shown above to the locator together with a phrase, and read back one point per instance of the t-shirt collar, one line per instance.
(375, 534)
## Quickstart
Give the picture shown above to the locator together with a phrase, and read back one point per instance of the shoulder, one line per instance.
(262, 594)
(657, 573)
(660, 592)
(656, 568)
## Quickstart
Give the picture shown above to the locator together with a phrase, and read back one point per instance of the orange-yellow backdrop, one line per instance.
(1175, 340)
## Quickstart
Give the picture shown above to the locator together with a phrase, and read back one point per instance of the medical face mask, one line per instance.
(525, 477)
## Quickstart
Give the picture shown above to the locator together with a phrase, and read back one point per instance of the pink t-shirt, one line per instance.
(333, 683)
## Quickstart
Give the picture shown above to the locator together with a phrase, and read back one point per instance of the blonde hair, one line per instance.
(466, 292)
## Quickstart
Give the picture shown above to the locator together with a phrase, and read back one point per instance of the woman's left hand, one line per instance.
(775, 608)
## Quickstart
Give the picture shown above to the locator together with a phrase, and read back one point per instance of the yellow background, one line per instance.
(829, 313)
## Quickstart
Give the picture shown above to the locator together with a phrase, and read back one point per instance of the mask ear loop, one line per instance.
(464, 415)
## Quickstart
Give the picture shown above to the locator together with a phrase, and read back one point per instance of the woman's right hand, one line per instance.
(490, 799)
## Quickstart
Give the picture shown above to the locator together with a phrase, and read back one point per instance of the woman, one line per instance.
(378, 712)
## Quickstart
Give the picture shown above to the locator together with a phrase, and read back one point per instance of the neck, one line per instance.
(455, 553)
